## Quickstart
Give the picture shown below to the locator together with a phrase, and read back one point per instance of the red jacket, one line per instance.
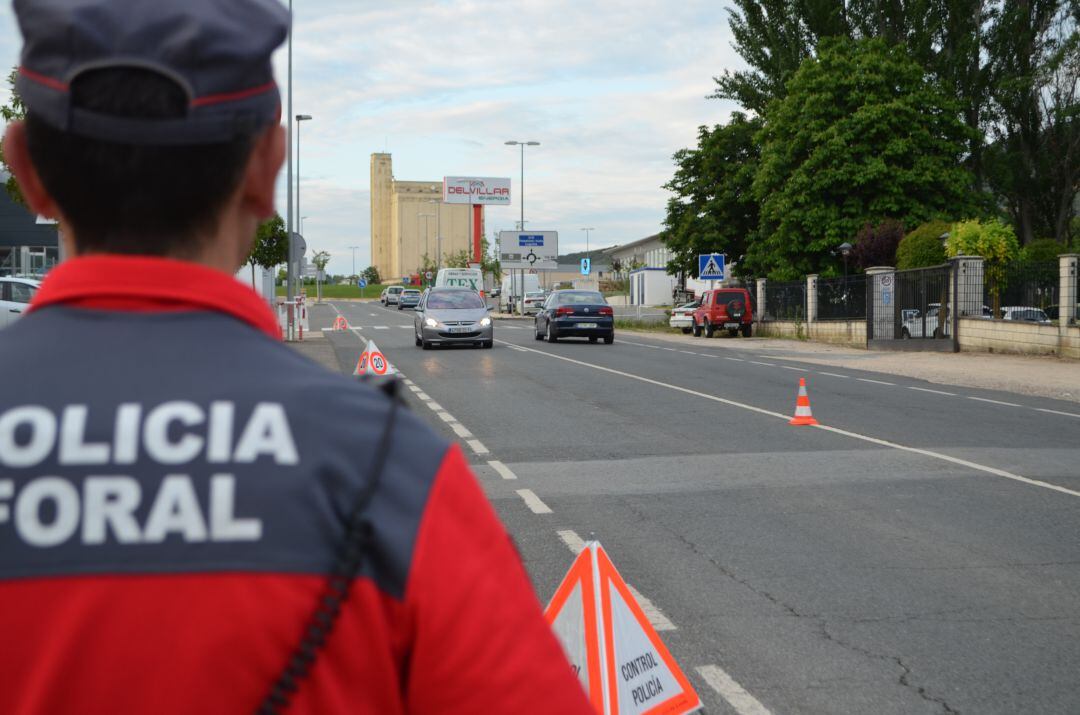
(193, 607)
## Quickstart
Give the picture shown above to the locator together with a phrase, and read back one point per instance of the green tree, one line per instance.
(1034, 159)
(862, 135)
(922, 247)
(713, 208)
(371, 275)
(15, 110)
(271, 247)
(995, 242)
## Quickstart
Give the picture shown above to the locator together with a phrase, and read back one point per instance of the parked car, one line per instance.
(915, 326)
(729, 309)
(575, 313)
(409, 298)
(534, 301)
(15, 297)
(1054, 312)
(1024, 313)
(390, 295)
(448, 316)
(683, 316)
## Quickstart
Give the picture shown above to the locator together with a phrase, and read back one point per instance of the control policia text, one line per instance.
(48, 510)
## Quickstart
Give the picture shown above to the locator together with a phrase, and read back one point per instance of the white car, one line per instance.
(390, 295)
(1024, 313)
(15, 297)
(913, 326)
(683, 316)
(534, 301)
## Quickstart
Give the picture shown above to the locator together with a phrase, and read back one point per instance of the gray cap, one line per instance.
(217, 51)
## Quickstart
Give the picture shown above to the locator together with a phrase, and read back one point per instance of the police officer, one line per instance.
(193, 518)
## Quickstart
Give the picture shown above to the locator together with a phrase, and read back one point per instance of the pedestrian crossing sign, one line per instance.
(711, 266)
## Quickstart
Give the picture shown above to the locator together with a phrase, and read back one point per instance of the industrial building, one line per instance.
(407, 218)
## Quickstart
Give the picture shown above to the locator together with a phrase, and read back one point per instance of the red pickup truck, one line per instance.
(727, 309)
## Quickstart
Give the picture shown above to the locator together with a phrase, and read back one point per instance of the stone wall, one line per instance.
(851, 333)
(1006, 336)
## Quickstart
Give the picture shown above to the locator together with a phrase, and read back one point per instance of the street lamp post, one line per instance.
(290, 285)
(522, 144)
(354, 249)
(299, 118)
(845, 251)
(302, 218)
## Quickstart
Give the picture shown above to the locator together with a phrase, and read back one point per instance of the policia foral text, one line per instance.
(194, 518)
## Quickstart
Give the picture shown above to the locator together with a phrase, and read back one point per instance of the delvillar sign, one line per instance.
(475, 190)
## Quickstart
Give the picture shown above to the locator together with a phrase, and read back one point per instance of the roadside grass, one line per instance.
(645, 325)
(338, 291)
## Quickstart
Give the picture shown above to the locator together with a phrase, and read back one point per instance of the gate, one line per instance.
(911, 310)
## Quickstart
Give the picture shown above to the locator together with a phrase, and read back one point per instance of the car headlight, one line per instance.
(431, 323)
(484, 322)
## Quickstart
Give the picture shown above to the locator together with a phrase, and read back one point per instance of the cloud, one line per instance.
(610, 88)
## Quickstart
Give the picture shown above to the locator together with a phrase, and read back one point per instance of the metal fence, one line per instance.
(841, 298)
(785, 301)
(922, 303)
(1031, 286)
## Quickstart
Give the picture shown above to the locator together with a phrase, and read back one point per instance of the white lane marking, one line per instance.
(414, 389)
(658, 620)
(687, 352)
(435, 406)
(656, 617)
(374, 315)
(734, 359)
(533, 502)
(382, 327)
(478, 447)
(673, 350)
(460, 430)
(725, 686)
(1056, 412)
(446, 417)
(854, 435)
(502, 469)
(423, 396)
(406, 327)
(766, 364)
(935, 392)
(520, 350)
(796, 369)
(994, 402)
(876, 382)
(407, 381)
(572, 541)
(833, 374)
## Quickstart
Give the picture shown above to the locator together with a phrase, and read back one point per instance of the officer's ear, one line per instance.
(17, 157)
(260, 176)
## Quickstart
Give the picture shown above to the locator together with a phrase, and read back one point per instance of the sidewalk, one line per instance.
(1042, 376)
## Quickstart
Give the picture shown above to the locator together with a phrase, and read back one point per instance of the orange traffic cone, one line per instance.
(803, 416)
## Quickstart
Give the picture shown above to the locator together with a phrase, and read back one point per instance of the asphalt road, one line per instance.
(919, 553)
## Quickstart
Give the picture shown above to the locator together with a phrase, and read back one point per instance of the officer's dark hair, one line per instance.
(128, 199)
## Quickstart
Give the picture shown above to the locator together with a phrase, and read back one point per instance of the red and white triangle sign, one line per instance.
(618, 656)
(373, 362)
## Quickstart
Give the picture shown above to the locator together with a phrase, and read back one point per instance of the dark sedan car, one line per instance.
(575, 314)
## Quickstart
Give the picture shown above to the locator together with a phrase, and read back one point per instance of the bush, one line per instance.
(876, 245)
(1042, 250)
(922, 246)
(993, 240)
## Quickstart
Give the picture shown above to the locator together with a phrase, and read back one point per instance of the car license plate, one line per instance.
(586, 325)
(461, 329)
(731, 326)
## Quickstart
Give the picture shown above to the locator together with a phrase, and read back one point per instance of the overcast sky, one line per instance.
(611, 89)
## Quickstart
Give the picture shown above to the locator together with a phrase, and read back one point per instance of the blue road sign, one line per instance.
(530, 239)
(586, 266)
(361, 283)
(711, 266)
